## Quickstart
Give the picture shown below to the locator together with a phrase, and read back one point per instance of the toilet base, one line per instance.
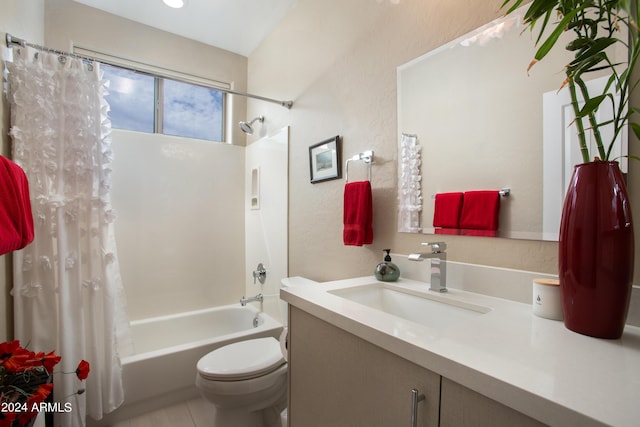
(238, 418)
(257, 409)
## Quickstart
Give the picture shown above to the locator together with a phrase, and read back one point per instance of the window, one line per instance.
(131, 98)
(150, 103)
(192, 111)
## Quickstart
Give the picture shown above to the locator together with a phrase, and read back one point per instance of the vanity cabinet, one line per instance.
(462, 407)
(337, 379)
(340, 380)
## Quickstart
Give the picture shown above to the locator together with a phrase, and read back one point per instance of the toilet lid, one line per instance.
(242, 360)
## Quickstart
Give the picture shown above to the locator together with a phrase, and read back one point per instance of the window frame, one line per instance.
(160, 74)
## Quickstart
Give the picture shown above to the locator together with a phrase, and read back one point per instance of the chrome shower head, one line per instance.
(246, 126)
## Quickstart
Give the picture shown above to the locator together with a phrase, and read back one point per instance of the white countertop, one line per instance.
(531, 364)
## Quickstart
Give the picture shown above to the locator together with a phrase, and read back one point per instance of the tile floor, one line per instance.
(192, 413)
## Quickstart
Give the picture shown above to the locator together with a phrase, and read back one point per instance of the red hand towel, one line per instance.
(480, 210)
(480, 233)
(358, 214)
(16, 219)
(446, 212)
(449, 231)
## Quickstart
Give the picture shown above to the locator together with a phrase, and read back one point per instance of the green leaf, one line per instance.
(595, 46)
(575, 71)
(555, 35)
(591, 105)
(633, 157)
(577, 44)
(539, 8)
(512, 8)
(636, 129)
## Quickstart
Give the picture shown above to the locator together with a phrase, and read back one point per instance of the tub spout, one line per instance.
(244, 301)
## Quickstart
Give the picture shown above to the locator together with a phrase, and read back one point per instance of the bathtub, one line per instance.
(162, 371)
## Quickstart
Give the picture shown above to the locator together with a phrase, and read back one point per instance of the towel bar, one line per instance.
(366, 156)
(504, 192)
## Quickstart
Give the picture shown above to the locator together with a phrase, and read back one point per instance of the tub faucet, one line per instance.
(244, 301)
(259, 273)
(438, 259)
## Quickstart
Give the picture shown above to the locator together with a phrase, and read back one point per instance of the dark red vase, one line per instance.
(596, 251)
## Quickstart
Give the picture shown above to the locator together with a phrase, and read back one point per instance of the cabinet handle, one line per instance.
(416, 397)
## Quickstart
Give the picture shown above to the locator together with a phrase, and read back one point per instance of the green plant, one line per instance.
(597, 26)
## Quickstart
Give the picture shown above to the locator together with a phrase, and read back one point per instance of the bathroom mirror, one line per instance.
(478, 119)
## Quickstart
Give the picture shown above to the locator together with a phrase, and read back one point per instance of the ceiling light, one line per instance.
(176, 4)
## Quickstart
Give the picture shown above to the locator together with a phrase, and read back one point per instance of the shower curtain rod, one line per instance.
(11, 41)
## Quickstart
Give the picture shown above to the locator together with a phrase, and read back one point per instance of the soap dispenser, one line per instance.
(386, 270)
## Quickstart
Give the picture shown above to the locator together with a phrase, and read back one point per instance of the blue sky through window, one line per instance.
(131, 98)
(188, 110)
(192, 111)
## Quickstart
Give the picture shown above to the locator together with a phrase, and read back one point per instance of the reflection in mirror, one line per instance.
(481, 125)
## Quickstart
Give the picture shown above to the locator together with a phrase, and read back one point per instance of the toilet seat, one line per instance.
(242, 360)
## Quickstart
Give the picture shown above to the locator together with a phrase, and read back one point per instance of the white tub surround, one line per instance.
(531, 364)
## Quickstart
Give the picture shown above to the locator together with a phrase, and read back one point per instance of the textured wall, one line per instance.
(338, 61)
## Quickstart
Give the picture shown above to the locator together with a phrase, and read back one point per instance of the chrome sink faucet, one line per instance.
(438, 259)
(244, 301)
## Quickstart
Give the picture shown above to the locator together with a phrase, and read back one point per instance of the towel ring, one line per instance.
(366, 156)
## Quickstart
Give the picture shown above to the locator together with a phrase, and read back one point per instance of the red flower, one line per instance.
(13, 357)
(49, 360)
(82, 371)
(41, 393)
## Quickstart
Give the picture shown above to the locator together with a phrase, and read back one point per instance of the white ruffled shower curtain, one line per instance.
(67, 291)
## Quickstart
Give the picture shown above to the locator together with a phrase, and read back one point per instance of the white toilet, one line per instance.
(242, 379)
(245, 378)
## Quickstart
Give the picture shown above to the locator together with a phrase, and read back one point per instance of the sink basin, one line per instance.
(416, 306)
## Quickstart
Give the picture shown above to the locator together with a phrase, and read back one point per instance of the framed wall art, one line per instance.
(325, 159)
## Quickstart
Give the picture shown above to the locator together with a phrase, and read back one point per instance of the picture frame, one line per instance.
(325, 160)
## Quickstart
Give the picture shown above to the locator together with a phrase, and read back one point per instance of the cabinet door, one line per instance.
(461, 407)
(337, 379)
